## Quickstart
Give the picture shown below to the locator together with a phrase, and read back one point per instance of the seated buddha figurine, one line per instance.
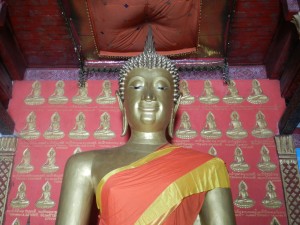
(243, 200)
(49, 166)
(104, 132)
(271, 200)
(265, 163)
(35, 98)
(24, 166)
(54, 132)
(185, 130)
(257, 96)
(208, 96)
(78, 131)
(58, 96)
(261, 129)
(239, 164)
(210, 130)
(186, 97)
(20, 201)
(81, 96)
(236, 130)
(105, 96)
(45, 201)
(147, 180)
(30, 131)
(232, 96)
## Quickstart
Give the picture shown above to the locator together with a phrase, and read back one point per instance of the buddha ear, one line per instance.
(124, 117)
(173, 115)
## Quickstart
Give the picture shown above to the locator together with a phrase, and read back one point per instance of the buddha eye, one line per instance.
(136, 87)
(163, 88)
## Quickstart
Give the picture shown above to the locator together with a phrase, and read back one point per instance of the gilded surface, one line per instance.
(257, 96)
(239, 164)
(243, 200)
(30, 131)
(210, 130)
(271, 200)
(236, 130)
(208, 95)
(20, 201)
(24, 166)
(186, 97)
(35, 98)
(16, 222)
(104, 132)
(58, 95)
(261, 129)
(265, 163)
(105, 97)
(54, 132)
(185, 130)
(49, 166)
(45, 200)
(232, 96)
(78, 131)
(212, 151)
(81, 96)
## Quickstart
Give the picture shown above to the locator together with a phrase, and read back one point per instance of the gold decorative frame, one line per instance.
(290, 176)
(7, 152)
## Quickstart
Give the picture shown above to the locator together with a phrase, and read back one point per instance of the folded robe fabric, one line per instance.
(167, 186)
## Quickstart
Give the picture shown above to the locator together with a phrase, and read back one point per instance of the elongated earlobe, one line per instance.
(173, 115)
(124, 117)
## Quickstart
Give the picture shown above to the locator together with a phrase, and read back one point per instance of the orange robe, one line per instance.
(166, 187)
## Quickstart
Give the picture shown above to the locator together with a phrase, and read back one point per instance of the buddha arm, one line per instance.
(76, 194)
(217, 208)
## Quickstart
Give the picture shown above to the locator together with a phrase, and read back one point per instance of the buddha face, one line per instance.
(148, 99)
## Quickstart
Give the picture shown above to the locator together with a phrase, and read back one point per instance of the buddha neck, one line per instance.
(147, 138)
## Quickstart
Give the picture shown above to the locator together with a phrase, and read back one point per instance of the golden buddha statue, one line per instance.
(45, 201)
(185, 130)
(186, 97)
(271, 200)
(232, 96)
(210, 131)
(105, 96)
(16, 222)
(243, 200)
(104, 132)
(49, 166)
(261, 127)
(54, 131)
(78, 131)
(81, 96)
(236, 130)
(58, 96)
(24, 166)
(35, 98)
(257, 96)
(239, 164)
(131, 181)
(212, 151)
(208, 96)
(30, 131)
(20, 201)
(265, 163)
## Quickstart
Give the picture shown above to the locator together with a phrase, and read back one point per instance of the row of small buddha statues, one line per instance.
(238, 165)
(242, 201)
(185, 130)
(105, 97)
(44, 202)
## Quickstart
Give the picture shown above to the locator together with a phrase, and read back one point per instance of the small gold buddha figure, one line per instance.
(212, 151)
(186, 97)
(104, 132)
(265, 163)
(54, 131)
(24, 166)
(35, 98)
(239, 164)
(20, 201)
(16, 222)
(261, 127)
(82, 97)
(208, 96)
(49, 166)
(271, 200)
(79, 132)
(257, 96)
(58, 96)
(30, 131)
(77, 150)
(210, 131)
(232, 96)
(243, 200)
(185, 130)
(45, 201)
(105, 97)
(236, 130)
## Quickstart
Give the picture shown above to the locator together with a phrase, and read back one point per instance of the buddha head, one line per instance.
(148, 92)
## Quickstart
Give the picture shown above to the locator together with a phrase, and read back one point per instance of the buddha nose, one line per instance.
(149, 94)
